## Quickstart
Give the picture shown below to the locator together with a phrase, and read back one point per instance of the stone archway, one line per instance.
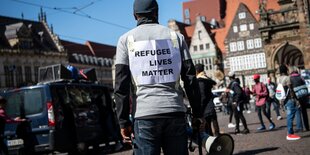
(289, 55)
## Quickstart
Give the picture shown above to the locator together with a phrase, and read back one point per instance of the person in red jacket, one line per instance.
(261, 94)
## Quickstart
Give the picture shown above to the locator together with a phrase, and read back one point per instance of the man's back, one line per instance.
(156, 93)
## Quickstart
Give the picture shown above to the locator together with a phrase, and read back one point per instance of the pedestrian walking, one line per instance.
(261, 94)
(271, 100)
(206, 84)
(291, 107)
(247, 93)
(300, 93)
(224, 98)
(238, 99)
(152, 73)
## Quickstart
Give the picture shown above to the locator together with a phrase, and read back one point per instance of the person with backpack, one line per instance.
(300, 93)
(284, 95)
(271, 87)
(238, 99)
(261, 94)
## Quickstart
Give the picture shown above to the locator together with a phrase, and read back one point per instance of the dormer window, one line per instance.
(242, 15)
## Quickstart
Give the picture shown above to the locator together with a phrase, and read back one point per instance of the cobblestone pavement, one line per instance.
(260, 142)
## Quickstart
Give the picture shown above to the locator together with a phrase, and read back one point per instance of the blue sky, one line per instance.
(101, 21)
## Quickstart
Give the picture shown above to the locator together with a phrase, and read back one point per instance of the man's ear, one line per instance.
(135, 15)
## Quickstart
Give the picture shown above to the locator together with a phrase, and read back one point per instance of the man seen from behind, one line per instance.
(150, 61)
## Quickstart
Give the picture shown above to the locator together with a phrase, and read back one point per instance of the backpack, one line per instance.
(280, 92)
(299, 87)
(301, 91)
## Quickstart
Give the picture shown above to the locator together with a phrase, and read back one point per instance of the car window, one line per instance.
(31, 100)
(14, 102)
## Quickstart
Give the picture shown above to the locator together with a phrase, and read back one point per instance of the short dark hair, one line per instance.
(283, 69)
(2, 100)
(199, 67)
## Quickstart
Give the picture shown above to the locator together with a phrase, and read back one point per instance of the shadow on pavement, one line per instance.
(250, 152)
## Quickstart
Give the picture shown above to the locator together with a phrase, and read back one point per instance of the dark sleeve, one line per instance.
(121, 94)
(203, 97)
(213, 83)
(239, 93)
(188, 75)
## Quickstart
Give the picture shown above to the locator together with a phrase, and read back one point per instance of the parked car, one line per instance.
(216, 100)
(64, 116)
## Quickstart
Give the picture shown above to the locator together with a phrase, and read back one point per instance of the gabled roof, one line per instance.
(89, 53)
(180, 27)
(208, 8)
(232, 6)
(36, 28)
(101, 50)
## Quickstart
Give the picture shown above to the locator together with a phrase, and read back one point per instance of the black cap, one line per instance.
(199, 67)
(145, 6)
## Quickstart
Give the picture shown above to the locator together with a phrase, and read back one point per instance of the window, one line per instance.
(243, 27)
(9, 77)
(258, 43)
(195, 48)
(201, 47)
(242, 15)
(235, 28)
(251, 26)
(210, 63)
(31, 99)
(19, 75)
(250, 44)
(240, 45)
(186, 13)
(199, 34)
(233, 46)
(28, 74)
(203, 18)
(36, 73)
(187, 21)
(207, 46)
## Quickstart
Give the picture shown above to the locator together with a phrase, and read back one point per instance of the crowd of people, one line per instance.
(266, 95)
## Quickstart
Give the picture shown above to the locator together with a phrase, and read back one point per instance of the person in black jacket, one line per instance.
(205, 85)
(238, 99)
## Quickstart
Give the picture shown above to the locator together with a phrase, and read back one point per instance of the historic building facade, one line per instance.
(203, 48)
(286, 34)
(27, 45)
(24, 47)
(245, 51)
